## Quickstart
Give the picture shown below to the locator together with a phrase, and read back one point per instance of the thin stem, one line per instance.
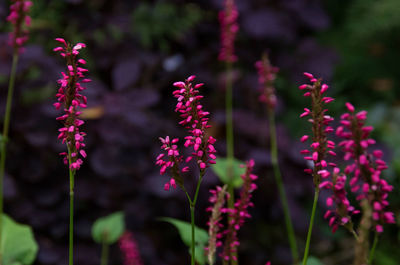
(193, 258)
(314, 207)
(281, 188)
(71, 211)
(229, 116)
(192, 209)
(354, 234)
(229, 138)
(104, 253)
(4, 139)
(372, 252)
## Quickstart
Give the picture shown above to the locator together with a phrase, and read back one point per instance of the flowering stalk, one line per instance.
(214, 236)
(129, 249)
(238, 215)
(70, 99)
(195, 120)
(341, 209)
(229, 28)
(320, 144)
(266, 78)
(367, 184)
(19, 19)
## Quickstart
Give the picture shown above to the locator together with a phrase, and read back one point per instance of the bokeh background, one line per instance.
(136, 50)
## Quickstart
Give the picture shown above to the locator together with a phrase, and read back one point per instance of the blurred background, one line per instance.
(136, 50)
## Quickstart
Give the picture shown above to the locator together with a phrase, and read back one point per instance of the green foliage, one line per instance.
(313, 261)
(108, 229)
(18, 244)
(163, 22)
(371, 18)
(185, 231)
(220, 169)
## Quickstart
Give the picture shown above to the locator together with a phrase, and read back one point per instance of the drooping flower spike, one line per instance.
(229, 28)
(239, 213)
(20, 19)
(195, 121)
(70, 99)
(129, 249)
(320, 147)
(341, 210)
(266, 78)
(365, 167)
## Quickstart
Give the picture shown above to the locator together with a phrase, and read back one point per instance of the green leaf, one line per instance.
(108, 229)
(220, 169)
(18, 244)
(185, 231)
(313, 261)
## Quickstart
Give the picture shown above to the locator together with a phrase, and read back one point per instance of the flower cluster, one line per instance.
(266, 77)
(341, 210)
(129, 249)
(19, 18)
(70, 99)
(229, 28)
(227, 238)
(217, 199)
(195, 120)
(365, 167)
(320, 146)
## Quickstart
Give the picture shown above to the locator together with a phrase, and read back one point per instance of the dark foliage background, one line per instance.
(136, 49)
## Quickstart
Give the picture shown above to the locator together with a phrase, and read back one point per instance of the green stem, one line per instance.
(71, 210)
(229, 138)
(281, 188)
(4, 139)
(372, 252)
(193, 257)
(229, 115)
(192, 209)
(104, 253)
(314, 207)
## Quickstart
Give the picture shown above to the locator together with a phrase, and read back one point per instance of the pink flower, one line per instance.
(229, 28)
(320, 147)
(217, 199)
(340, 209)
(129, 249)
(20, 19)
(365, 168)
(195, 120)
(266, 78)
(239, 213)
(70, 99)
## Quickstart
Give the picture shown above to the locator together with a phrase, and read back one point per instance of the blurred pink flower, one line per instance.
(20, 20)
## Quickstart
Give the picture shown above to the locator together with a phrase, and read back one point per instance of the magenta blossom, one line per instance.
(229, 28)
(320, 147)
(365, 167)
(20, 19)
(239, 213)
(340, 211)
(129, 249)
(195, 120)
(69, 98)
